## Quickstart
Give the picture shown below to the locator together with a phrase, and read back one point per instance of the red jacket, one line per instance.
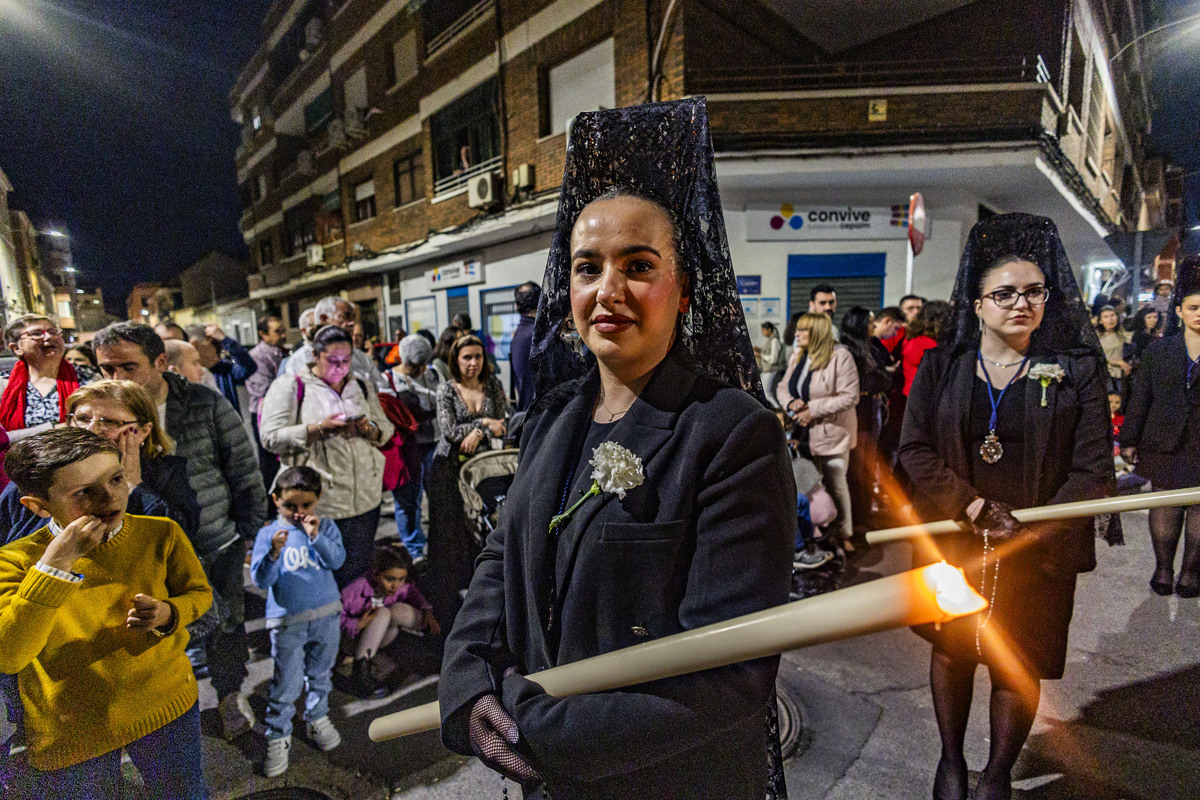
(913, 352)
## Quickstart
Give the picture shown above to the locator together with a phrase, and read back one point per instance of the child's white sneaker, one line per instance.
(277, 756)
(323, 734)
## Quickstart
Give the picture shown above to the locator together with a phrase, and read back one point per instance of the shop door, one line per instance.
(856, 277)
(457, 302)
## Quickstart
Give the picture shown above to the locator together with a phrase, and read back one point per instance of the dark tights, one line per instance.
(1165, 525)
(1011, 716)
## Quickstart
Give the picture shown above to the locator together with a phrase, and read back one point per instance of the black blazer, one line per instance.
(1157, 409)
(1068, 453)
(706, 537)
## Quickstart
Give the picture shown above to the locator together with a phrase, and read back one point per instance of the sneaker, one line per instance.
(803, 559)
(323, 734)
(236, 715)
(277, 756)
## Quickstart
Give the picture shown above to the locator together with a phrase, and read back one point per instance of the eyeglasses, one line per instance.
(103, 423)
(1007, 298)
(43, 333)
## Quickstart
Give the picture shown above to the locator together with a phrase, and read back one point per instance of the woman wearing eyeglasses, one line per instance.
(36, 391)
(122, 412)
(1009, 412)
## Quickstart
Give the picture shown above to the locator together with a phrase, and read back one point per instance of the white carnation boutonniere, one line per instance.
(615, 470)
(1046, 373)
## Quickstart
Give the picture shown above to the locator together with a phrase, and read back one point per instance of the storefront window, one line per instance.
(500, 319)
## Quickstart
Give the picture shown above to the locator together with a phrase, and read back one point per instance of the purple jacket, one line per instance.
(356, 601)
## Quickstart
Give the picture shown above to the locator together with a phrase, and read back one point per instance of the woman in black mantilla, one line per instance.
(1009, 412)
(639, 266)
(1162, 432)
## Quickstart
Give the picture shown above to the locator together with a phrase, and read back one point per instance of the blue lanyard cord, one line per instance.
(995, 399)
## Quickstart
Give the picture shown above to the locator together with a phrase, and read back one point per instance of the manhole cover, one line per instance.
(792, 740)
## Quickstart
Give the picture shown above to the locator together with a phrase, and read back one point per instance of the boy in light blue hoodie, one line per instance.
(294, 559)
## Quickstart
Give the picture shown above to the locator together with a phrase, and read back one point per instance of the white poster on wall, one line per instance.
(421, 313)
(787, 222)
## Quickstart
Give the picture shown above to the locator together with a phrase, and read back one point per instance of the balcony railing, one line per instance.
(461, 179)
(458, 26)
(863, 74)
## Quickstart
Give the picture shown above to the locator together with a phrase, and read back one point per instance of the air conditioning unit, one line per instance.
(356, 126)
(483, 190)
(314, 33)
(336, 134)
(522, 177)
(316, 255)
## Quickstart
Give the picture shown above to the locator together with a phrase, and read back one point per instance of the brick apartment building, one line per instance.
(409, 154)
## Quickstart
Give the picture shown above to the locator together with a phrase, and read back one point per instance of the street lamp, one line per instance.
(1132, 42)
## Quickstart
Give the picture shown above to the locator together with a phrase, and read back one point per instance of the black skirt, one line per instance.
(1180, 468)
(1026, 625)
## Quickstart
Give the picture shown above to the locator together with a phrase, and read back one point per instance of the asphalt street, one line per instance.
(1123, 724)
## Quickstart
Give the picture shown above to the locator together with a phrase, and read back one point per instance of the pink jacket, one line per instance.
(833, 394)
(356, 601)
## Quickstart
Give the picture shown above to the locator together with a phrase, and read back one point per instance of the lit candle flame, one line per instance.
(951, 590)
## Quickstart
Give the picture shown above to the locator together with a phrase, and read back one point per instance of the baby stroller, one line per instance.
(484, 481)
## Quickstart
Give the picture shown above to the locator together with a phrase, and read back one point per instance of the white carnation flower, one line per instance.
(616, 469)
(1047, 372)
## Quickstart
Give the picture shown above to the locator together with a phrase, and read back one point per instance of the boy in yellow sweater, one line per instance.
(92, 614)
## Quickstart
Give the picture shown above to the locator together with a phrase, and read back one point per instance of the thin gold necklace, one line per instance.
(612, 417)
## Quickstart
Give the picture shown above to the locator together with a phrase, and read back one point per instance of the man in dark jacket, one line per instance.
(223, 470)
(526, 297)
(223, 356)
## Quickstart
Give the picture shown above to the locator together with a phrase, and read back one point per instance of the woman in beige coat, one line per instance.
(819, 391)
(325, 418)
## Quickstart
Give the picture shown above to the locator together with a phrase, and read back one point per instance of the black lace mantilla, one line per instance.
(662, 150)
(1066, 324)
(1187, 283)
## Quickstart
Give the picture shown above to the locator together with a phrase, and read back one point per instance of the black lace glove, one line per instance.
(996, 518)
(494, 735)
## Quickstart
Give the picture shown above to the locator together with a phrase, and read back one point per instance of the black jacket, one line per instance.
(1157, 409)
(1068, 453)
(222, 466)
(706, 537)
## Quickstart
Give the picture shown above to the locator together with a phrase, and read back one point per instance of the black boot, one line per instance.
(363, 683)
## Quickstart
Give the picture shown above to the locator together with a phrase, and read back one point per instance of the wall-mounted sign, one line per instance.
(877, 111)
(461, 273)
(749, 284)
(788, 222)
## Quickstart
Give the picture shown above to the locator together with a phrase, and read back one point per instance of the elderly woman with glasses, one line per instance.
(35, 393)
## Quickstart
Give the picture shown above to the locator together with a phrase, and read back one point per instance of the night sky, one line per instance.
(114, 123)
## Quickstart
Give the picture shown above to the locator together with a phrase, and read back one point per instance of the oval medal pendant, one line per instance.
(991, 450)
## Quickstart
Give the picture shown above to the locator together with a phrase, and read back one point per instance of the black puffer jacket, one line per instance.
(221, 463)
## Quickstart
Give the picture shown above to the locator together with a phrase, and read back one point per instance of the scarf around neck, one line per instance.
(12, 403)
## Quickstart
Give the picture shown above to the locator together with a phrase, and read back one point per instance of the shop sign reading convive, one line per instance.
(788, 222)
(458, 273)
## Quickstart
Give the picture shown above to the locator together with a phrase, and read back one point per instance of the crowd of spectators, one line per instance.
(287, 449)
